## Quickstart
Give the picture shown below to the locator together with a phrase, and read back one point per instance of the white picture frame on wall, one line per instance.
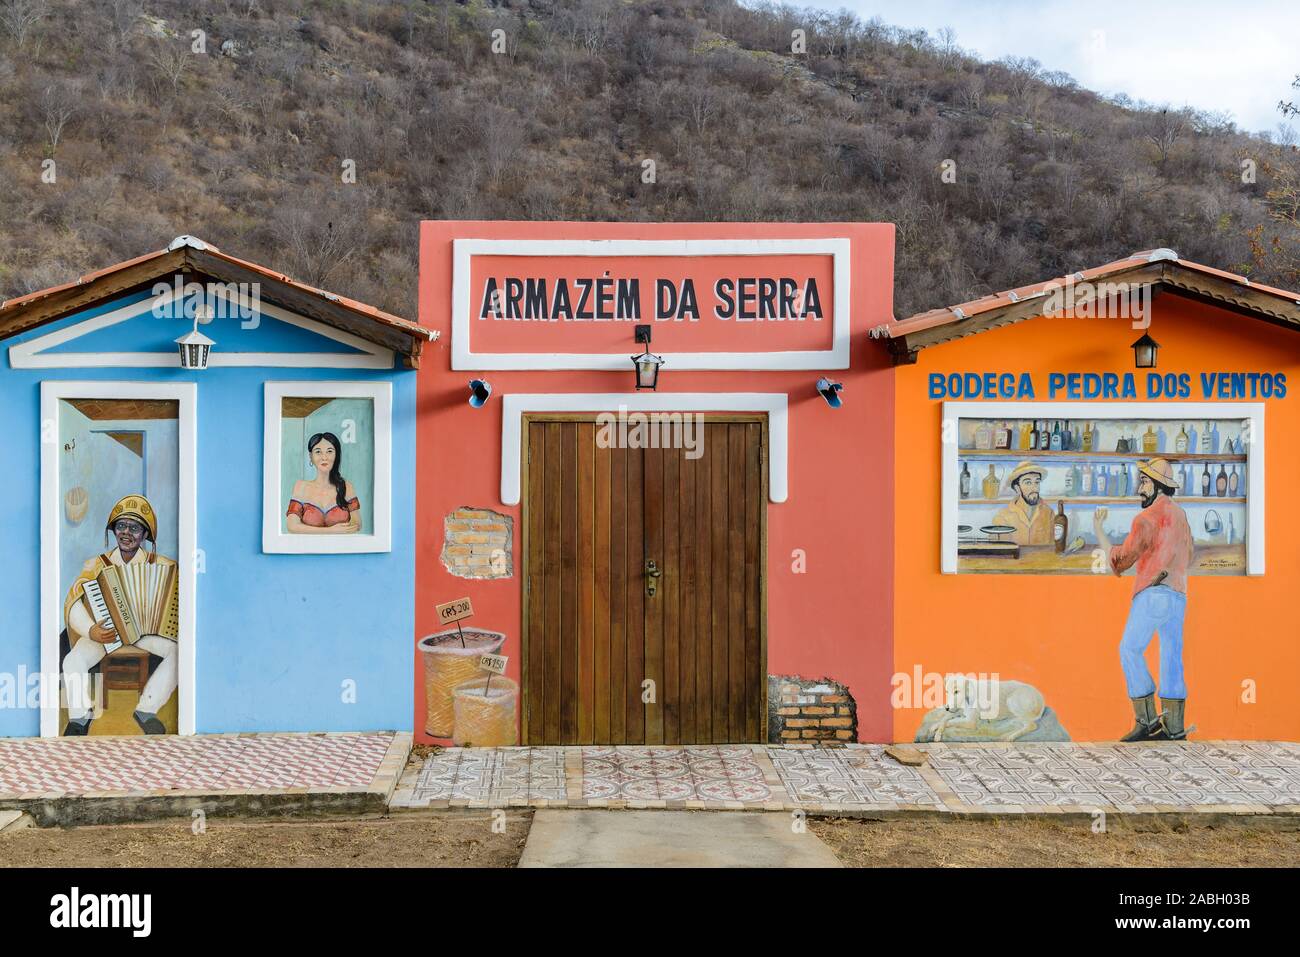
(283, 465)
(1173, 412)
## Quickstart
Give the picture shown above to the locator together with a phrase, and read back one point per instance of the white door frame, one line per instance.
(185, 394)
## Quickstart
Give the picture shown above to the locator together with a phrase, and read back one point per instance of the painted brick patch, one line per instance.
(810, 711)
(477, 543)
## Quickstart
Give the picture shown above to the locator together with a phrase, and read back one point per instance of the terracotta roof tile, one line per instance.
(993, 301)
(354, 305)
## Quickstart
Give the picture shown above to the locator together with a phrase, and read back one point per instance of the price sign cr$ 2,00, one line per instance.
(454, 611)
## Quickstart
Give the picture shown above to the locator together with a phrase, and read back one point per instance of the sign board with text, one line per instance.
(454, 611)
(735, 303)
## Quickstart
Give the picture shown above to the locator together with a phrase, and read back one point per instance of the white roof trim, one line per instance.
(193, 242)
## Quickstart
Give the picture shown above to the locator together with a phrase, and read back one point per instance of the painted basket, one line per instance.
(447, 666)
(486, 720)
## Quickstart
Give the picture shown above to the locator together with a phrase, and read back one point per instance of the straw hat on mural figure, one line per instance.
(985, 708)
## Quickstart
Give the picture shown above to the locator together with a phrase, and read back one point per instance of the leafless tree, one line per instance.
(171, 62)
(1163, 130)
(19, 17)
(59, 103)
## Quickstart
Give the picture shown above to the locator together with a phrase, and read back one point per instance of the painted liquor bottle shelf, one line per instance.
(1107, 500)
(1115, 456)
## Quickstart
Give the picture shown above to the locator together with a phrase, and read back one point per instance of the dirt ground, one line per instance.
(425, 840)
(1070, 843)
(466, 839)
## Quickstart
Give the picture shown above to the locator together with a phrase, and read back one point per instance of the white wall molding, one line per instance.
(185, 394)
(462, 306)
(32, 355)
(773, 404)
(378, 539)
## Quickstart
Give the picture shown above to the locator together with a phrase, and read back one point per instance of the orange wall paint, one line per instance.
(1061, 633)
(835, 620)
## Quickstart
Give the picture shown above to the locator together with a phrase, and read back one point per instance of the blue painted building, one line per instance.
(293, 606)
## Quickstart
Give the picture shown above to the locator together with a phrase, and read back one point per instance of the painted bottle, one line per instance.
(1149, 441)
(1180, 443)
(1033, 437)
(1234, 482)
(1070, 479)
(1085, 487)
(1045, 437)
(983, 437)
(1103, 481)
(991, 484)
(1026, 429)
(1221, 481)
(965, 480)
(1060, 527)
(1122, 491)
(1205, 481)
(1087, 437)
(1002, 437)
(1055, 445)
(1207, 438)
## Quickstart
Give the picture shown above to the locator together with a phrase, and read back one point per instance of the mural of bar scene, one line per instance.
(1064, 469)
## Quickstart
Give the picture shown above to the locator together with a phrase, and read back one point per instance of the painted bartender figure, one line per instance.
(1159, 544)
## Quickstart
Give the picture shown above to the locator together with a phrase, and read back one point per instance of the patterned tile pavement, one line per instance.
(218, 764)
(1252, 777)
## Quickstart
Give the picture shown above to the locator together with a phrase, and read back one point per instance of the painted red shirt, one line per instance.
(312, 515)
(1160, 540)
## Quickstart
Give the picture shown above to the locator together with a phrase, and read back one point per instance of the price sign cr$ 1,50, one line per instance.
(493, 663)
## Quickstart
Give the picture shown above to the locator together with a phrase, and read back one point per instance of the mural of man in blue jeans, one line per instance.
(1159, 544)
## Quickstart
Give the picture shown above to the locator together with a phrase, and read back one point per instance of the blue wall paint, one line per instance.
(277, 634)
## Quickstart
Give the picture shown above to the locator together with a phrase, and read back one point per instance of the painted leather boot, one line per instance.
(1171, 720)
(1147, 722)
(76, 728)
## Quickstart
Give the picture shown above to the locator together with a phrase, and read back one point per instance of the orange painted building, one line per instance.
(1060, 632)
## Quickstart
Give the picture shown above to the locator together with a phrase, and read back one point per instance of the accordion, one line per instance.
(136, 600)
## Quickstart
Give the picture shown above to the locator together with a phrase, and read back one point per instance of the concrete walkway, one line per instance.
(1230, 777)
(571, 838)
(109, 779)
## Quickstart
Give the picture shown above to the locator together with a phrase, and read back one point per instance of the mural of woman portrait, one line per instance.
(327, 503)
(327, 478)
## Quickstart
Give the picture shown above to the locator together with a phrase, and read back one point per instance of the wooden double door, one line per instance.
(644, 602)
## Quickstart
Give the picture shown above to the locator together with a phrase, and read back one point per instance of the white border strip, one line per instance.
(186, 395)
(773, 404)
(837, 357)
(1169, 412)
(380, 539)
(31, 354)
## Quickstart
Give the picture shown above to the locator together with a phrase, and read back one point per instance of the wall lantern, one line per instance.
(479, 391)
(1144, 352)
(830, 391)
(647, 363)
(194, 347)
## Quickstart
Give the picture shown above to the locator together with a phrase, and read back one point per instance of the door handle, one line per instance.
(652, 576)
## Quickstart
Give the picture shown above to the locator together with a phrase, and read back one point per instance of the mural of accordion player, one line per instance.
(215, 452)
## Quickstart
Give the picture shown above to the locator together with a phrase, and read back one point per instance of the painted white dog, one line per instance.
(970, 700)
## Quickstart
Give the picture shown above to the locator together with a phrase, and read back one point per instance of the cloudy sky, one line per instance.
(1236, 57)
